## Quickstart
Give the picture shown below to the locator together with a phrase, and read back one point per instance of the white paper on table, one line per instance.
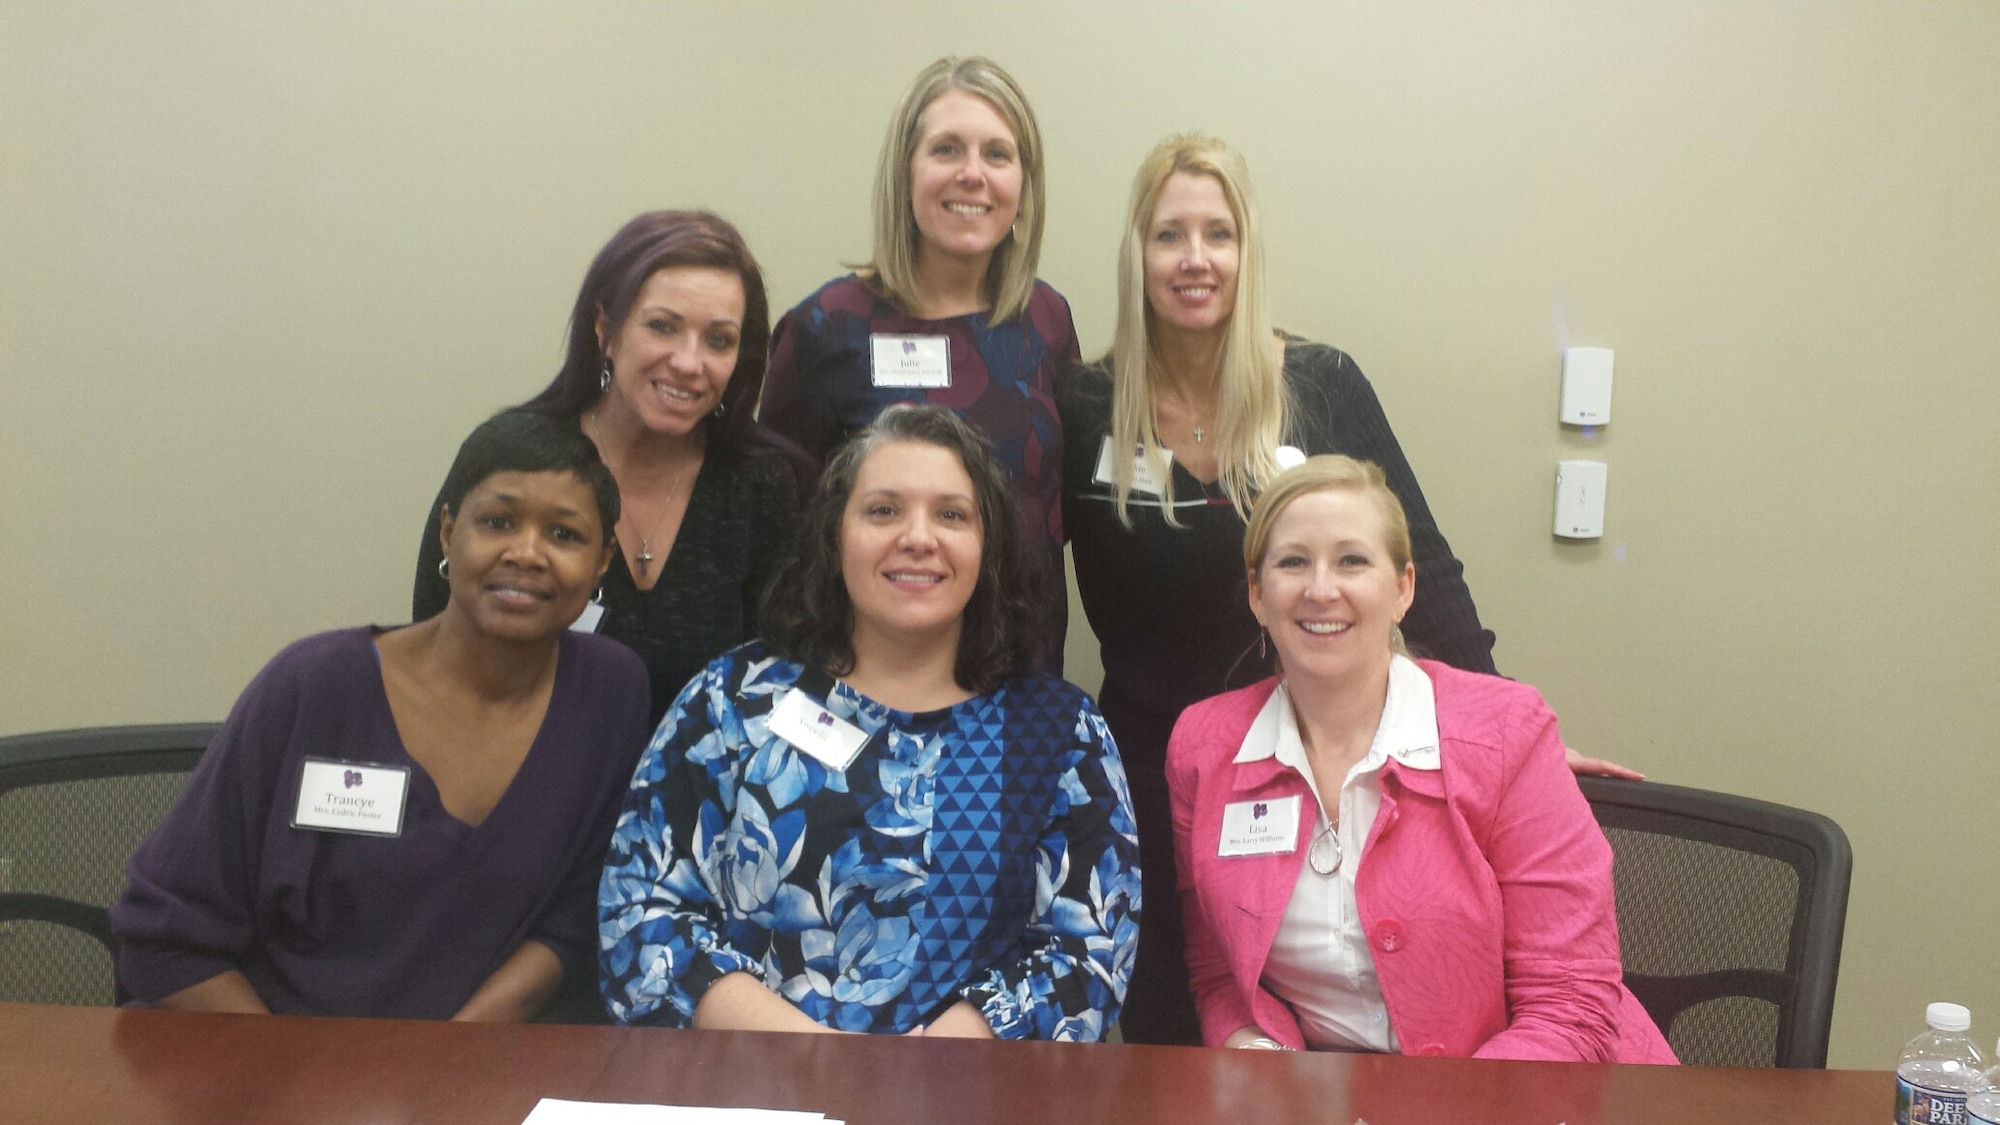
(556, 1111)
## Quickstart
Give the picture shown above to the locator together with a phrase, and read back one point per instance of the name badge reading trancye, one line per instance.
(353, 797)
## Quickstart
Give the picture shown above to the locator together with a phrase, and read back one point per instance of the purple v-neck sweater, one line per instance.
(332, 923)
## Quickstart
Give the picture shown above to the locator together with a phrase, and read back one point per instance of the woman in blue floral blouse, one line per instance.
(877, 819)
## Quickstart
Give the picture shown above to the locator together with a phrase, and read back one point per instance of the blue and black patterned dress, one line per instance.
(984, 852)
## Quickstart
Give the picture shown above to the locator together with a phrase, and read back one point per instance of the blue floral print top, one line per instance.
(984, 852)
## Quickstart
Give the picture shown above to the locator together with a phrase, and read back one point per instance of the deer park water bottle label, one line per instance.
(1921, 1105)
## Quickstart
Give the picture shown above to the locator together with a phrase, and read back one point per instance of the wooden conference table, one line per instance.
(101, 1065)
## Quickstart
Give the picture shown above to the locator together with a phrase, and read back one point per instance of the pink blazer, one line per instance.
(1484, 887)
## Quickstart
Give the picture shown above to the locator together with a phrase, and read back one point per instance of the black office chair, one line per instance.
(73, 806)
(1730, 914)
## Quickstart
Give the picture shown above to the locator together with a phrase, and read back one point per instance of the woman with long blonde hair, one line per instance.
(948, 310)
(1168, 440)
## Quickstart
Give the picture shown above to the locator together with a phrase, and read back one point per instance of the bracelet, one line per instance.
(1262, 1043)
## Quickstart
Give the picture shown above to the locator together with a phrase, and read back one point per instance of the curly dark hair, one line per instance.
(809, 618)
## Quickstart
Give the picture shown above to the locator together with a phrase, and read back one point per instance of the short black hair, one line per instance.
(808, 616)
(526, 440)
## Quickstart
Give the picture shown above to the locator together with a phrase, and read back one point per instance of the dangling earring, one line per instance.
(1014, 230)
(444, 568)
(604, 380)
(1396, 638)
(721, 408)
(1263, 646)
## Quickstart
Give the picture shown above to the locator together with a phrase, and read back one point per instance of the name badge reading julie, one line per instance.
(1269, 827)
(909, 361)
(351, 797)
(806, 723)
(1143, 477)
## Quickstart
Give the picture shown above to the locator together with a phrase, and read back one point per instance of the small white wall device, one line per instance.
(1586, 393)
(1580, 499)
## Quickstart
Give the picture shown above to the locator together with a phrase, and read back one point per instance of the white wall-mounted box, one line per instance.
(1580, 499)
(1586, 390)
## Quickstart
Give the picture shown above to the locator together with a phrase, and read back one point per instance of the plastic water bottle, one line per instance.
(1983, 1107)
(1938, 1069)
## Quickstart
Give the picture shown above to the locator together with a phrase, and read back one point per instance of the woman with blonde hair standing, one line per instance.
(948, 310)
(1168, 440)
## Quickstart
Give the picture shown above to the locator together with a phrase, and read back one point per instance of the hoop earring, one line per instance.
(604, 380)
(444, 568)
(721, 408)
(598, 597)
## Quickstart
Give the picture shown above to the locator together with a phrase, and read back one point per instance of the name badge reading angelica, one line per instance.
(806, 723)
(351, 797)
(1143, 477)
(909, 361)
(1269, 827)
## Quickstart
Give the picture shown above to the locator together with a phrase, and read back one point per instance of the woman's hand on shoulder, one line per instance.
(1598, 767)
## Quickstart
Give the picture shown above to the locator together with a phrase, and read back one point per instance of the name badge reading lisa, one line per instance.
(806, 723)
(351, 797)
(1269, 827)
(909, 361)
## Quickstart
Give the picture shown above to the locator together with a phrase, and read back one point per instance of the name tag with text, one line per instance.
(351, 797)
(909, 361)
(806, 723)
(1143, 477)
(1268, 827)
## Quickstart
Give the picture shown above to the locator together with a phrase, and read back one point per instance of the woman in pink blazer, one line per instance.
(1378, 853)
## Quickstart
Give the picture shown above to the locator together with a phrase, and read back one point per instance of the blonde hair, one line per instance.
(1328, 472)
(1252, 406)
(1010, 277)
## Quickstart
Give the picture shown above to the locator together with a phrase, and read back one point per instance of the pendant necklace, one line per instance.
(1200, 432)
(645, 555)
(1325, 853)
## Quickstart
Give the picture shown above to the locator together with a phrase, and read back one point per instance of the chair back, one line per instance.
(73, 806)
(1730, 915)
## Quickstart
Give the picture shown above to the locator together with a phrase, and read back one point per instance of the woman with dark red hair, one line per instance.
(668, 343)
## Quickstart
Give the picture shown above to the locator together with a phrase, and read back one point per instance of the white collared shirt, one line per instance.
(1319, 962)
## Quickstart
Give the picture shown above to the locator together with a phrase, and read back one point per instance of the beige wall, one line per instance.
(261, 266)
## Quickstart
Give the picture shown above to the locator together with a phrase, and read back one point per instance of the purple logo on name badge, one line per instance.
(825, 719)
(1258, 810)
(909, 347)
(350, 779)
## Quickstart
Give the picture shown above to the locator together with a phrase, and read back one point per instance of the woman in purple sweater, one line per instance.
(410, 823)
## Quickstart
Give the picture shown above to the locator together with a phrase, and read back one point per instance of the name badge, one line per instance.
(806, 723)
(910, 361)
(1260, 827)
(1143, 478)
(591, 617)
(351, 797)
